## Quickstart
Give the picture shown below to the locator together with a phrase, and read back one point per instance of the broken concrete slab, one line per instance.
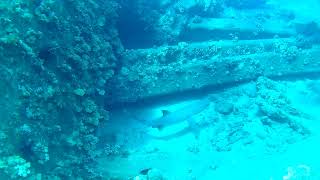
(167, 70)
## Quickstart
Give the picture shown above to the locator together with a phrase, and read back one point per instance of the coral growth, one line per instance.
(56, 59)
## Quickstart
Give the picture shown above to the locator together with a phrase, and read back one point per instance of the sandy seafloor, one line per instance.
(235, 139)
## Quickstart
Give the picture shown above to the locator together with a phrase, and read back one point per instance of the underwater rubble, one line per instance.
(80, 80)
(262, 125)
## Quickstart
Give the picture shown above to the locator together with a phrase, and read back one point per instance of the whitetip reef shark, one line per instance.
(185, 113)
(182, 114)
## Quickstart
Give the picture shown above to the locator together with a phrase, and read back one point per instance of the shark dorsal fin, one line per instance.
(165, 112)
(160, 127)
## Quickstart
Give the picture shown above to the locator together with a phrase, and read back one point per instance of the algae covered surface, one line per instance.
(56, 60)
(106, 89)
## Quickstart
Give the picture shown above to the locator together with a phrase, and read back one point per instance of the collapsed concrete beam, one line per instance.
(150, 73)
(229, 24)
(244, 25)
(203, 50)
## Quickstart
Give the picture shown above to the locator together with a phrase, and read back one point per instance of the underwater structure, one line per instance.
(159, 90)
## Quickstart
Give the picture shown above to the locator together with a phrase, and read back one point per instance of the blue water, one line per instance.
(160, 90)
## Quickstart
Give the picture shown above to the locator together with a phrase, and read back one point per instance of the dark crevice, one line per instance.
(133, 31)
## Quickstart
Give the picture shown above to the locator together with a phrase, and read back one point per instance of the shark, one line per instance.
(184, 113)
(152, 123)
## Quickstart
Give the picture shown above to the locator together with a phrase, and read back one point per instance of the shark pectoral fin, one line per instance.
(191, 122)
(165, 112)
(194, 128)
(196, 132)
